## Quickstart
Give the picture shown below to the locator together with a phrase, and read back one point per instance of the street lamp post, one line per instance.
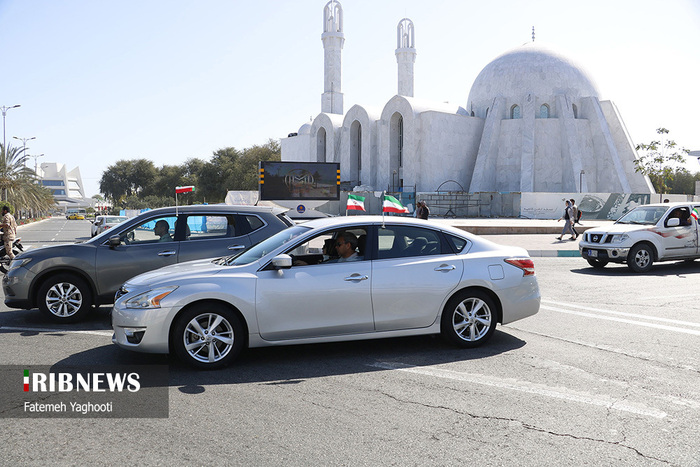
(24, 142)
(36, 167)
(4, 110)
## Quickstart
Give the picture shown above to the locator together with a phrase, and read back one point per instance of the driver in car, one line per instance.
(162, 231)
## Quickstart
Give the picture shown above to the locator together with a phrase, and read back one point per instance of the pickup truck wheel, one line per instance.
(597, 263)
(640, 257)
(64, 298)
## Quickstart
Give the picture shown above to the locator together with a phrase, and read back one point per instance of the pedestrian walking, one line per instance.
(568, 218)
(576, 215)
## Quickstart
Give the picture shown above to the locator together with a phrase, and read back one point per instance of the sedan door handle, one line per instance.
(236, 247)
(167, 253)
(356, 278)
(445, 267)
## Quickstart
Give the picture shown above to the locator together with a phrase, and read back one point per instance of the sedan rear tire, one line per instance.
(469, 318)
(65, 298)
(208, 336)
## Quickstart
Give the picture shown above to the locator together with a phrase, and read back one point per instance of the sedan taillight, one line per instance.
(525, 264)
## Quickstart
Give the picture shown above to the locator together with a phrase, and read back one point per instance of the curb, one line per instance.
(554, 253)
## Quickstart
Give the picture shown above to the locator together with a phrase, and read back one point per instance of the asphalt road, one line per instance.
(606, 374)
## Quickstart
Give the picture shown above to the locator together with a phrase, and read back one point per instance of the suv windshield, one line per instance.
(261, 249)
(648, 215)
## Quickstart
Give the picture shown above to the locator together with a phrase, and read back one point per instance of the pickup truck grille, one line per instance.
(597, 238)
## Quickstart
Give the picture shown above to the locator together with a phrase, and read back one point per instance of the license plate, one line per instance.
(592, 253)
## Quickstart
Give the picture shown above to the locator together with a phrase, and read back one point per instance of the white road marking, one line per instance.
(513, 384)
(694, 332)
(62, 331)
(621, 313)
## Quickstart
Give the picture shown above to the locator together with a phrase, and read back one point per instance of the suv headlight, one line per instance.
(149, 299)
(620, 238)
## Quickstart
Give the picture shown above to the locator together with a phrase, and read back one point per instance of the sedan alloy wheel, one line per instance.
(208, 336)
(469, 319)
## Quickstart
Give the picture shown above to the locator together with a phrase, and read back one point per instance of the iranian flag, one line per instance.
(356, 203)
(392, 204)
(184, 189)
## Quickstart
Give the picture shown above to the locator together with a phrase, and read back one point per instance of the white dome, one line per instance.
(305, 129)
(531, 68)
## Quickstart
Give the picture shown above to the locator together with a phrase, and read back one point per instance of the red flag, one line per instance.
(184, 189)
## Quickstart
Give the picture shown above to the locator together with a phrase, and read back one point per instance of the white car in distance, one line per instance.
(403, 277)
(102, 223)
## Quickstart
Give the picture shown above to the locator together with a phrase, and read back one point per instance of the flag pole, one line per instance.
(175, 202)
(383, 196)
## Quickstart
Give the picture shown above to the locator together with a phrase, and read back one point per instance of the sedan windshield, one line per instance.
(647, 215)
(261, 249)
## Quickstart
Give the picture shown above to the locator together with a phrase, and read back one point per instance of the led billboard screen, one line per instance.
(299, 180)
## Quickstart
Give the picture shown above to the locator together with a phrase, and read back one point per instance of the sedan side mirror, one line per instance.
(282, 262)
(114, 241)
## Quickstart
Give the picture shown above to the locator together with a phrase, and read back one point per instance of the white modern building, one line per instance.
(533, 122)
(66, 186)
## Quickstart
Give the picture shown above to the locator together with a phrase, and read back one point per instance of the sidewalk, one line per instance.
(538, 237)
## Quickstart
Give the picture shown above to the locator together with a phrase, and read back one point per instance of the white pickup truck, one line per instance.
(649, 233)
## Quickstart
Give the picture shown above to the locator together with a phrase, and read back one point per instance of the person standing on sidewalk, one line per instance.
(9, 231)
(568, 221)
(422, 211)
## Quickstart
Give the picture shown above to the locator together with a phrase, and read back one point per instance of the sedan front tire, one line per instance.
(208, 336)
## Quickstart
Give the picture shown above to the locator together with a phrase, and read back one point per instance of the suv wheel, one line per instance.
(65, 298)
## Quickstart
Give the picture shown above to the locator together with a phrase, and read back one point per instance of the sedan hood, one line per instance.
(175, 272)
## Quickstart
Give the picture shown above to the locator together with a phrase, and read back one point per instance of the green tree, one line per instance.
(126, 178)
(19, 185)
(247, 164)
(658, 160)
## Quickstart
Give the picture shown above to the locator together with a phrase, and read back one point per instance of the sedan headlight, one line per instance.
(620, 238)
(149, 299)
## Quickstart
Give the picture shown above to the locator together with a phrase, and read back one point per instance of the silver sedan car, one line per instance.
(333, 279)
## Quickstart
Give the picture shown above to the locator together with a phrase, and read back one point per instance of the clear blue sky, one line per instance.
(100, 81)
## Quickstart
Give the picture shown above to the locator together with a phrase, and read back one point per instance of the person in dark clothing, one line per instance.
(422, 211)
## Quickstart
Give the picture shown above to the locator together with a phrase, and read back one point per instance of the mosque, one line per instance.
(533, 122)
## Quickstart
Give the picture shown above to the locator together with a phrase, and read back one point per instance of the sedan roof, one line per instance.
(378, 220)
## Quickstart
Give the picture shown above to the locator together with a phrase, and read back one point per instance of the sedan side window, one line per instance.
(335, 246)
(404, 241)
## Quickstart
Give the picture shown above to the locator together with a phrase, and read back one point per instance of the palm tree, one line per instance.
(19, 185)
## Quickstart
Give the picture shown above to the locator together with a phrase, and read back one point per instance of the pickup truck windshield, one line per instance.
(647, 215)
